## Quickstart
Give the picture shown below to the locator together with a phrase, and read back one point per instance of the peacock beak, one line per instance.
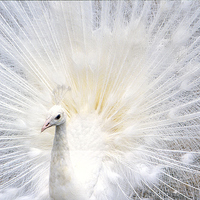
(46, 125)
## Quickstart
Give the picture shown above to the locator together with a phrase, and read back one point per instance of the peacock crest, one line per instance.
(59, 93)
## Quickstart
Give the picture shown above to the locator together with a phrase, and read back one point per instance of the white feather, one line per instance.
(133, 109)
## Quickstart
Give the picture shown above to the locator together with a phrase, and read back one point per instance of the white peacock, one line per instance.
(130, 126)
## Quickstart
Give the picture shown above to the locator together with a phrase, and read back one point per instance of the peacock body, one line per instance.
(133, 110)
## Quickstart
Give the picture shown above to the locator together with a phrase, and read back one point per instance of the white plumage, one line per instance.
(133, 109)
(63, 183)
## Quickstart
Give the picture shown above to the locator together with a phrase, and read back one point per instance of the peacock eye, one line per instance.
(57, 117)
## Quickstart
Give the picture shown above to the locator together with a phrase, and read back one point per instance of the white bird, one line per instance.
(62, 183)
(132, 115)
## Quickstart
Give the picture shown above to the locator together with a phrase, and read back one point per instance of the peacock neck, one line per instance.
(60, 151)
(60, 169)
(62, 184)
(60, 139)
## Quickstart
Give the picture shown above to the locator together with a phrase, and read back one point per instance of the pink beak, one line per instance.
(46, 125)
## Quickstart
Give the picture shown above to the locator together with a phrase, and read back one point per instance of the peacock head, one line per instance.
(55, 117)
